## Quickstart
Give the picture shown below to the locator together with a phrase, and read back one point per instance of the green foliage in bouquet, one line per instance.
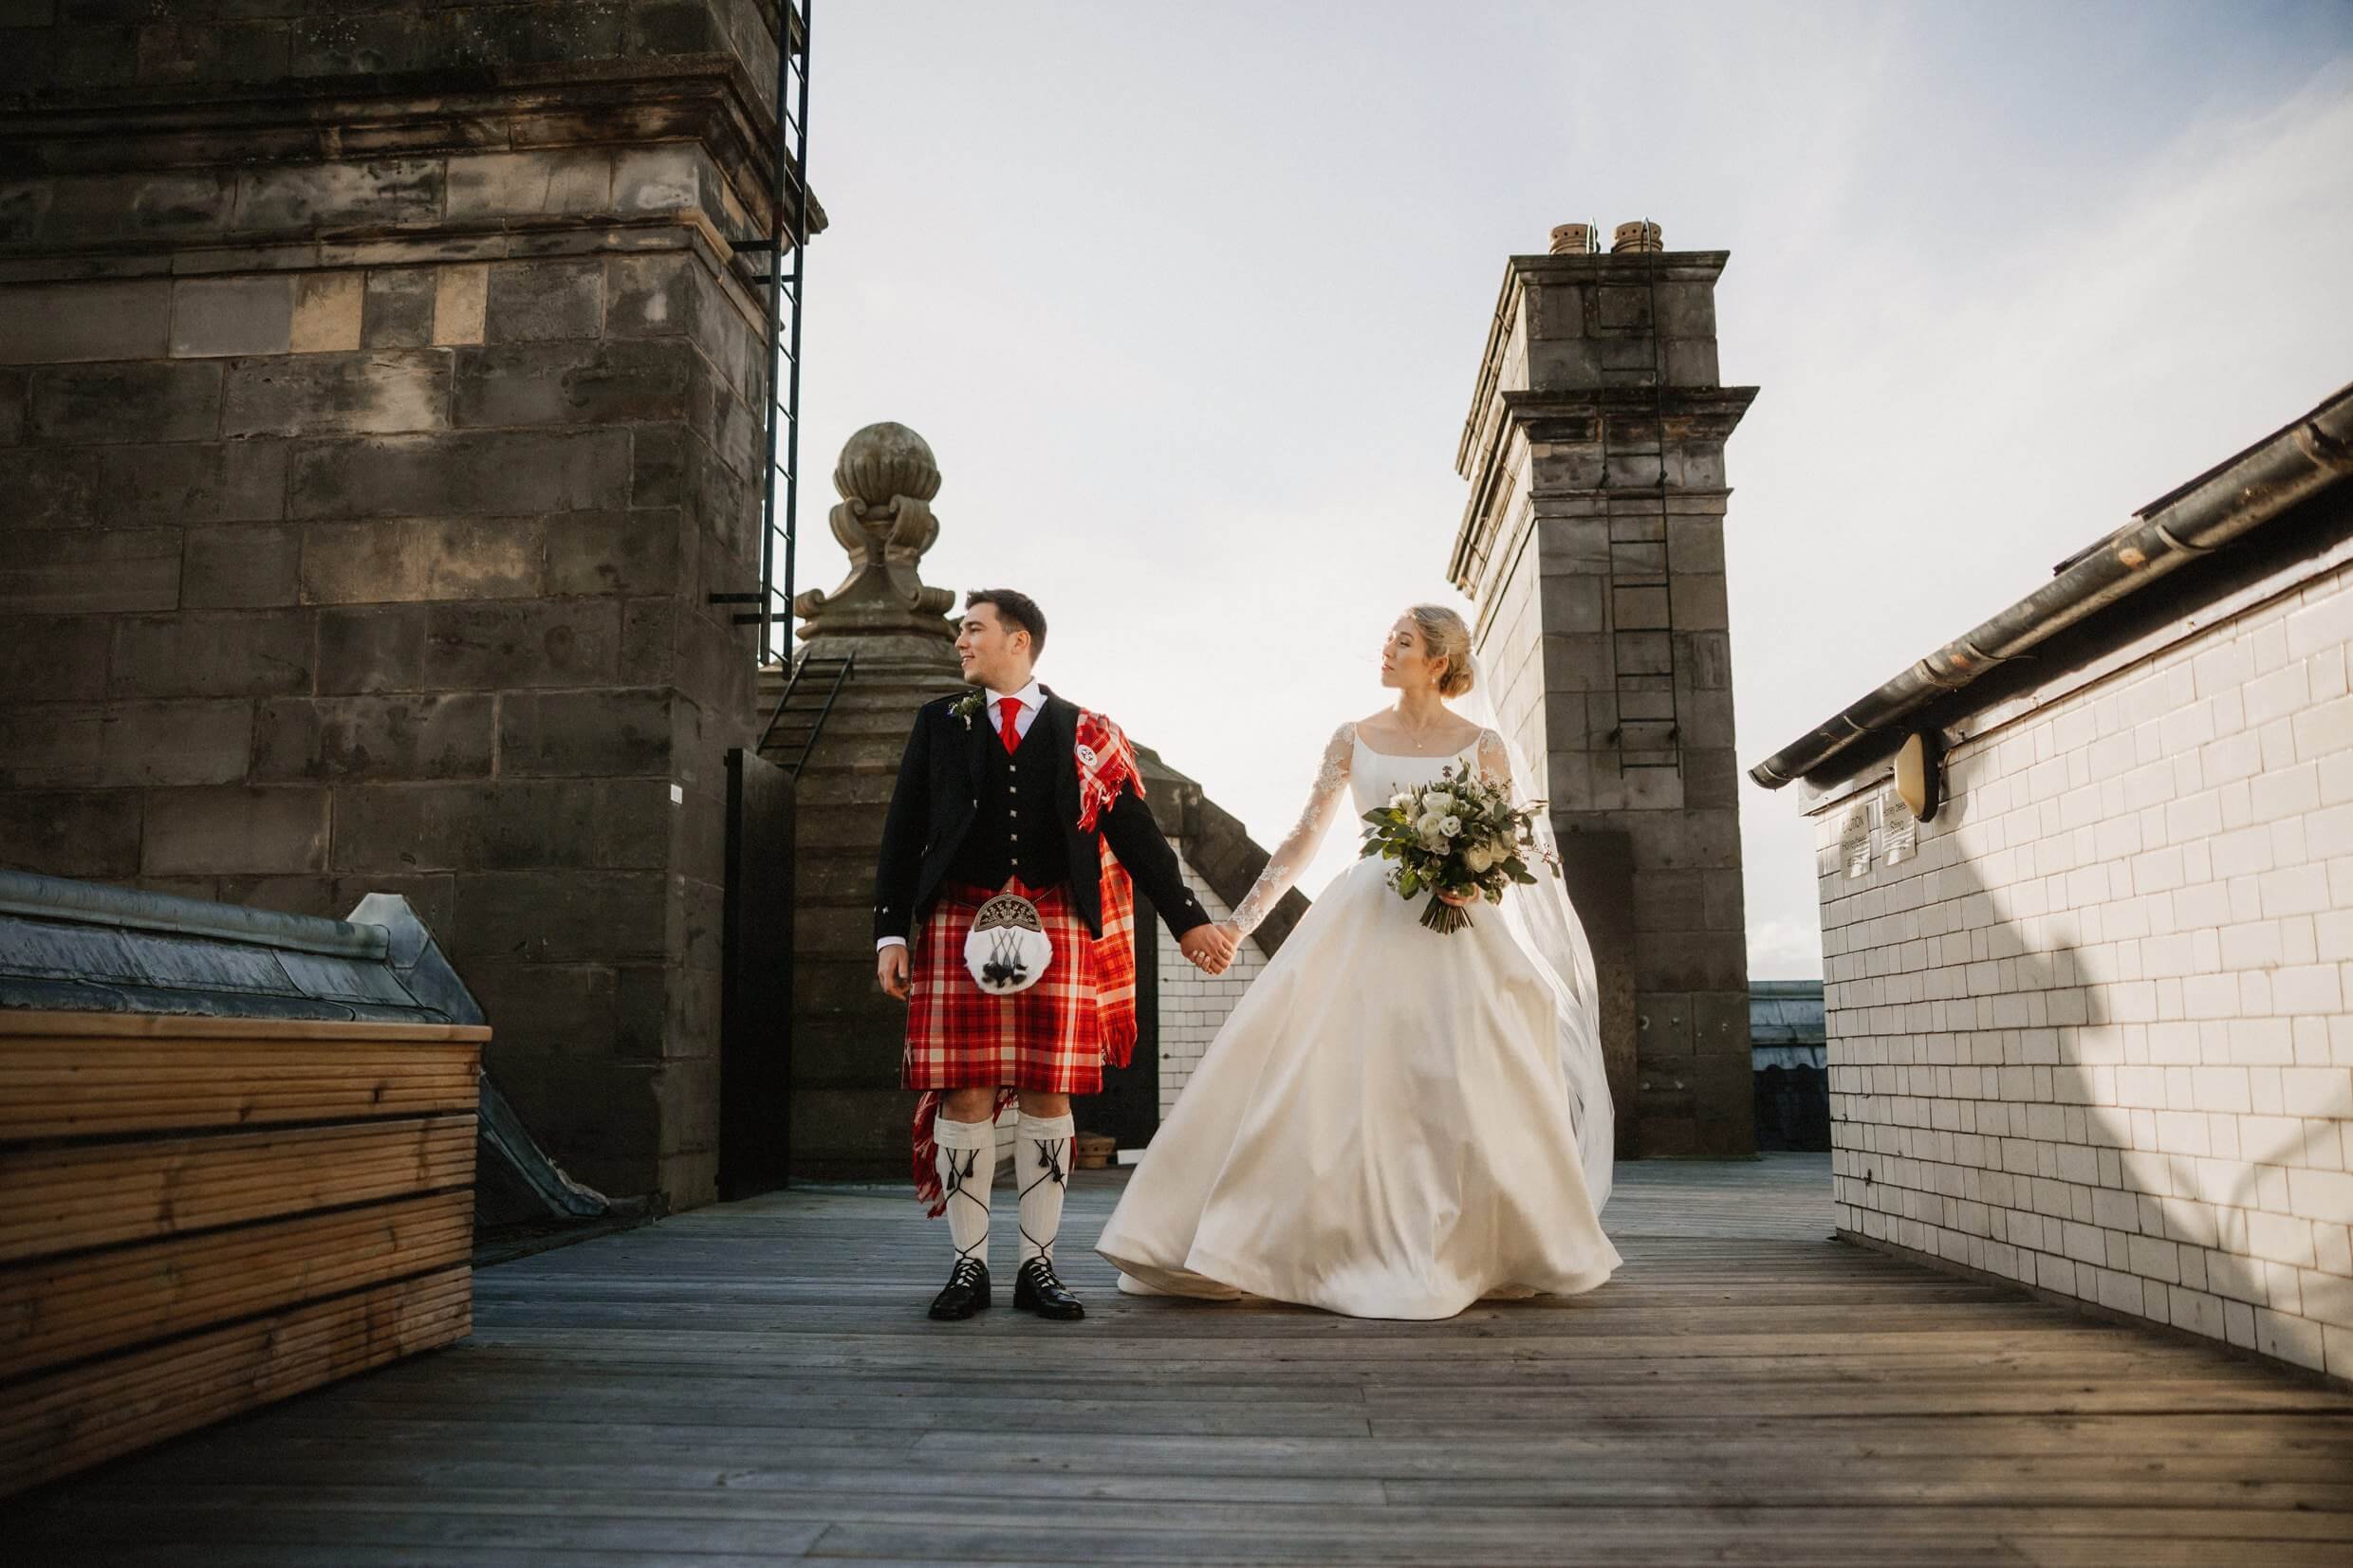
(1461, 835)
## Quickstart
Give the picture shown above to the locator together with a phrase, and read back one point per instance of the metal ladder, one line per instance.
(793, 727)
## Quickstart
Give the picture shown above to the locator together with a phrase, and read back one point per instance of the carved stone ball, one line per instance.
(883, 461)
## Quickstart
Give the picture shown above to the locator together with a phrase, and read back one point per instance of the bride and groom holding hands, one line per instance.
(1404, 1114)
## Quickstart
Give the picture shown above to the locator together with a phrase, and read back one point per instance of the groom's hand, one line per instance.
(890, 968)
(1209, 948)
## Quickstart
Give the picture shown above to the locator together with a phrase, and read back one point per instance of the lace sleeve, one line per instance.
(1495, 759)
(1298, 847)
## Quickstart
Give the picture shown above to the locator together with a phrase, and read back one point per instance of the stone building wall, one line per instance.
(1592, 543)
(378, 411)
(2096, 1034)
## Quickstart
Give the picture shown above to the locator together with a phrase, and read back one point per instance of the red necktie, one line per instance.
(1011, 731)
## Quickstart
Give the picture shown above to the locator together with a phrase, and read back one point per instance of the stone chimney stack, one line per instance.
(1593, 545)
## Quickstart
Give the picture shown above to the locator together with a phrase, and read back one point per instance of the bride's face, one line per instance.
(1405, 662)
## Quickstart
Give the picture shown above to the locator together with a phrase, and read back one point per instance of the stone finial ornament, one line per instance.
(886, 478)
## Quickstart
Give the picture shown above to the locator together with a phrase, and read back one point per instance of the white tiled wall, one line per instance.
(1194, 1006)
(2095, 1035)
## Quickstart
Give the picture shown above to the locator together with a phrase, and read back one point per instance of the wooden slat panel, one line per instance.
(55, 1200)
(67, 1026)
(56, 1312)
(54, 1426)
(51, 1088)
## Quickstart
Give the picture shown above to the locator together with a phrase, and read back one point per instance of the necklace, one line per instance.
(1417, 735)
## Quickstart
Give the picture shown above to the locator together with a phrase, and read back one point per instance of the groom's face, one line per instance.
(993, 654)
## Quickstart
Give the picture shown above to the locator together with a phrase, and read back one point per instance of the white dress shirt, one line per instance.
(1032, 699)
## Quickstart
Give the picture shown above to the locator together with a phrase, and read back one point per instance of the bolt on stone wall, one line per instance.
(378, 411)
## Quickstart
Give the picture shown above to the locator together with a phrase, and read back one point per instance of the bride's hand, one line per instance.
(1448, 895)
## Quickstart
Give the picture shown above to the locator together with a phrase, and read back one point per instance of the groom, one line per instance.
(1011, 789)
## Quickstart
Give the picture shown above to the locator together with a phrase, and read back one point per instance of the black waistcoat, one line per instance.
(1015, 831)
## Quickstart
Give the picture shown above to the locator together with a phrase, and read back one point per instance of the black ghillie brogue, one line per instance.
(1036, 1290)
(967, 1292)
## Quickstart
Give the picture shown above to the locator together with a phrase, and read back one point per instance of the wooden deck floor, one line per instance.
(757, 1382)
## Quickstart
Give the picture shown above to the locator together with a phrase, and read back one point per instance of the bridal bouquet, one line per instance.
(1460, 834)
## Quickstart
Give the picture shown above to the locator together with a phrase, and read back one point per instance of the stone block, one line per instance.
(240, 566)
(215, 49)
(1572, 603)
(664, 176)
(1686, 310)
(1621, 308)
(1691, 363)
(637, 822)
(652, 296)
(573, 383)
(490, 826)
(1711, 776)
(1670, 900)
(538, 301)
(396, 310)
(228, 316)
(545, 32)
(483, 647)
(88, 211)
(1723, 907)
(676, 26)
(1691, 961)
(1695, 545)
(15, 387)
(1663, 1028)
(1706, 840)
(212, 482)
(339, 45)
(71, 833)
(1720, 1030)
(329, 312)
(559, 1009)
(461, 295)
(58, 571)
(54, 659)
(50, 746)
(563, 916)
(1578, 663)
(53, 323)
(1707, 717)
(1700, 603)
(153, 401)
(480, 473)
(609, 734)
(194, 741)
(417, 736)
(235, 830)
(403, 560)
(212, 654)
(632, 552)
(316, 198)
(543, 180)
(384, 392)
(1636, 609)
(1563, 364)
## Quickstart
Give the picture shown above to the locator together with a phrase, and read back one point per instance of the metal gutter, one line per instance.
(2298, 462)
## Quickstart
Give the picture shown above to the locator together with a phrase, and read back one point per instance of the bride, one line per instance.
(1393, 1122)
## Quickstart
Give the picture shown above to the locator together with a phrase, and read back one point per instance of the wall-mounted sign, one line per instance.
(1855, 838)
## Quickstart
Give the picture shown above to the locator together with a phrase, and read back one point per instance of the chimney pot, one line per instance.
(1638, 238)
(1574, 239)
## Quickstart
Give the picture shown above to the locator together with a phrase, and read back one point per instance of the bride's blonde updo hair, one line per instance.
(1444, 635)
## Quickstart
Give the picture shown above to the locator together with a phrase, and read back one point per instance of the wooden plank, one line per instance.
(63, 1310)
(36, 1025)
(51, 1426)
(55, 1200)
(229, 1088)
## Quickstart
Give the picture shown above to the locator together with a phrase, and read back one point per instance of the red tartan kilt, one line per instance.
(1047, 1038)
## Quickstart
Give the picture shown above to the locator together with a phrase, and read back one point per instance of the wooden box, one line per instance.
(202, 1215)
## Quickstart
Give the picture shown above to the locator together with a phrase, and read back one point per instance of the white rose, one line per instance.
(1449, 827)
(1439, 800)
(1480, 860)
(1427, 825)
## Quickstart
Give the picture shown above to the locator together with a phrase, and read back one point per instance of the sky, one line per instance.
(1189, 299)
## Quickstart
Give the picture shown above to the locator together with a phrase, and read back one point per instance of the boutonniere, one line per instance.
(968, 707)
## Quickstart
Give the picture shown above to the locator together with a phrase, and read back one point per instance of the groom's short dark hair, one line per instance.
(1014, 609)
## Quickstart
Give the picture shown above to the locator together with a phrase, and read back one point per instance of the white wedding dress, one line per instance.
(1383, 1128)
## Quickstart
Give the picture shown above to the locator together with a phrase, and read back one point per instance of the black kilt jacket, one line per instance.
(943, 787)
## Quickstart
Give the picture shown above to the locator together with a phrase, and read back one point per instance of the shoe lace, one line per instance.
(968, 1272)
